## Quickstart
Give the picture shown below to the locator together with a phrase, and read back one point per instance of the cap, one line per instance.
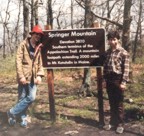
(37, 29)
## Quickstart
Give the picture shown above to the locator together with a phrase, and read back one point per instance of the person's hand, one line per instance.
(38, 80)
(104, 84)
(23, 81)
(123, 86)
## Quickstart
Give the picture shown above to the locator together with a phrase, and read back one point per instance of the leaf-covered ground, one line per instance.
(74, 115)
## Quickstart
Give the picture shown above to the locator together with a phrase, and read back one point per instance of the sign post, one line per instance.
(50, 81)
(50, 78)
(100, 95)
(99, 87)
(76, 48)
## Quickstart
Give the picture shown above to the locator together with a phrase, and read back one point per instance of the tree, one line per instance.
(72, 6)
(49, 13)
(34, 12)
(110, 14)
(5, 27)
(11, 29)
(126, 24)
(85, 88)
(25, 18)
(102, 17)
(138, 32)
(34, 15)
(16, 29)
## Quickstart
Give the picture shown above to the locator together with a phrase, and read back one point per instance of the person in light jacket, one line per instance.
(29, 74)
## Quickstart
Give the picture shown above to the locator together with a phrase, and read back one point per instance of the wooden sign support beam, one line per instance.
(100, 95)
(50, 81)
(99, 86)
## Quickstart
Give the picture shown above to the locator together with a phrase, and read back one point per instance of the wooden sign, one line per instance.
(73, 48)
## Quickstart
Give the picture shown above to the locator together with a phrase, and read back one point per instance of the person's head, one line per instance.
(113, 38)
(95, 24)
(36, 33)
(113, 34)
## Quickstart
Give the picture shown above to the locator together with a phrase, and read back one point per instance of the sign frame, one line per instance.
(57, 43)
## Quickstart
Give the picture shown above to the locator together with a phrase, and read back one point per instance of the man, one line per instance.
(29, 73)
(116, 74)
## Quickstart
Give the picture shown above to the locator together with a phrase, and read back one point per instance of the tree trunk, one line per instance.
(4, 30)
(9, 40)
(72, 14)
(137, 32)
(85, 89)
(88, 15)
(49, 13)
(17, 25)
(26, 19)
(36, 12)
(5, 23)
(126, 25)
(126, 29)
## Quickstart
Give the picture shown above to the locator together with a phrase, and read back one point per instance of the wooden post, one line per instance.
(100, 95)
(50, 81)
(99, 86)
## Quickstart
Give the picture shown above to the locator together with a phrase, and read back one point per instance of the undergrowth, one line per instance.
(7, 67)
(68, 81)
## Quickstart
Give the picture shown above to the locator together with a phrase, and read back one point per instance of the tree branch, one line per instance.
(103, 18)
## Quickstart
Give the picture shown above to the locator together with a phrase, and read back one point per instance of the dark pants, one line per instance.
(116, 97)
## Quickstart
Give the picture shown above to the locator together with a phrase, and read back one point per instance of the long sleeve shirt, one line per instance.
(117, 62)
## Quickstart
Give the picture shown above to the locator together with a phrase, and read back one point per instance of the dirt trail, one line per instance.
(78, 126)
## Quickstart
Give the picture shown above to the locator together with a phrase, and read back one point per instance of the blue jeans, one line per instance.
(26, 95)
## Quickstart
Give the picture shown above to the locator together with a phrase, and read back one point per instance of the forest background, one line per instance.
(17, 17)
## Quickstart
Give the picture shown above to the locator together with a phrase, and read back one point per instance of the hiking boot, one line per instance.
(24, 121)
(119, 130)
(107, 127)
(11, 119)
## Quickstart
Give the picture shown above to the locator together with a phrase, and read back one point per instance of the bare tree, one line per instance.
(126, 24)
(137, 31)
(16, 29)
(10, 31)
(5, 26)
(49, 13)
(101, 17)
(36, 4)
(72, 13)
(34, 12)
(110, 14)
(25, 18)
(85, 88)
